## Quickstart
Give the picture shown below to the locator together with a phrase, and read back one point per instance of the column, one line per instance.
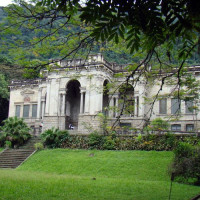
(101, 100)
(81, 103)
(168, 106)
(182, 107)
(43, 108)
(116, 108)
(82, 100)
(39, 103)
(47, 99)
(59, 103)
(137, 106)
(63, 104)
(111, 106)
(87, 101)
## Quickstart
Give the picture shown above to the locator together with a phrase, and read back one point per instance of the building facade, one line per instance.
(75, 91)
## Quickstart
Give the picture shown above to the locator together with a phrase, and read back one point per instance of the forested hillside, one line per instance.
(16, 45)
(25, 38)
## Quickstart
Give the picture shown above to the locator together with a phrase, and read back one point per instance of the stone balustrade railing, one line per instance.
(91, 60)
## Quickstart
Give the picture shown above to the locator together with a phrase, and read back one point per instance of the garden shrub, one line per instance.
(38, 146)
(8, 144)
(186, 164)
(54, 138)
(162, 142)
(14, 130)
(96, 140)
(110, 142)
(77, 142)
(158, 126)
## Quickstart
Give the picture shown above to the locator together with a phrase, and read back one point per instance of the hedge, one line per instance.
(164, 142)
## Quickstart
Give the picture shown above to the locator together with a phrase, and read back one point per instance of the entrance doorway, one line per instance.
(72, 104)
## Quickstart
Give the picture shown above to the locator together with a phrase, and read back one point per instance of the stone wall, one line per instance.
(49, 122)
(88, 123)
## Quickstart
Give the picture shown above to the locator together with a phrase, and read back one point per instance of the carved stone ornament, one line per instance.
(27, 99)
(27, 91)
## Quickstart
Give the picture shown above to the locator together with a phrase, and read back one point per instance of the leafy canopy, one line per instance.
(142, 24)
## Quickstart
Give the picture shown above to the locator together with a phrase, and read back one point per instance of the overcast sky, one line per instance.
(5, 2)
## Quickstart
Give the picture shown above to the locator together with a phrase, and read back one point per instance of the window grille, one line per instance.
(17, 110)
(175, 106)
(26, 111)
(163, 106)
(34, 110)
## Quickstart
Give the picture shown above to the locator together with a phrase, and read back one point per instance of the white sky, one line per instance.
(5, 2)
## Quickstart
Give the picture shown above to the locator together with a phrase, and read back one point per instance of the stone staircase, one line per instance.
(12, 158)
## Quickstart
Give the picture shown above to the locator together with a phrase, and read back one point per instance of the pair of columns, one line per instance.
(114, 103)
(63, 105)
(40, 105)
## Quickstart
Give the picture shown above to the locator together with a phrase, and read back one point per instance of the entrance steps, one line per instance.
(73, 132)
(12, 158)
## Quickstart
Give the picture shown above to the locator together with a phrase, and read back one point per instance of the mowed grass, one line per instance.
(86, 174)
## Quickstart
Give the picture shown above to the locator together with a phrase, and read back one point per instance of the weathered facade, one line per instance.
(73, 92)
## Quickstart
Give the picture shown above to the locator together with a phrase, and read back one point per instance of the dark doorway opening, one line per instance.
(72, 104)
(105, 97)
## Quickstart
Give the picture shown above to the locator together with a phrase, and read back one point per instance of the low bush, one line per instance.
(8, 144)
(110, 142)
(163, 142)
(186, 164)
(38, 146)
(15, 131)
(158, 125)
(95, 141)
(77, 142)
(54, 138)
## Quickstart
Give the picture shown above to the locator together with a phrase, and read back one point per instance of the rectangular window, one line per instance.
(34, 110)
(189, 127)
(189, 107)
(175, 106)
(125, 125)
(26, 111)
(17, 110)
(176, 127)
(163, 106)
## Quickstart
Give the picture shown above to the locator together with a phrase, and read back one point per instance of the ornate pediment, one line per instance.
(27, 92)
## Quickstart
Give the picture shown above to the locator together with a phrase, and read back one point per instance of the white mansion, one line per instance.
(73, 93)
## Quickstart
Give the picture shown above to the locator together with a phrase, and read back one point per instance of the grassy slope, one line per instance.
(1, 149)
(69, 174)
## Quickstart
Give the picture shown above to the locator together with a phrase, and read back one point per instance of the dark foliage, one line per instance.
(96, 141)
(164, 142)
(186, 164)
(54, 138)
(14, 130)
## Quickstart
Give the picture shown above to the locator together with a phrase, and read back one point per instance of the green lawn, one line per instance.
(81, 174)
